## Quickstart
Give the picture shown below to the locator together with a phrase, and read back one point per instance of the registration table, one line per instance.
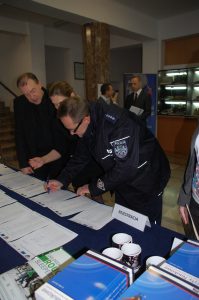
(153, 241)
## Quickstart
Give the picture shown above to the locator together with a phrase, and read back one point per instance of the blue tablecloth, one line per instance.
(153, 241)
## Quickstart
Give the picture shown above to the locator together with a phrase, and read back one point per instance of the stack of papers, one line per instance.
(43, 240)
(5, 199)
(95, 217)
(72, 206)
(18, 180)
(30, 233)
(51, 198)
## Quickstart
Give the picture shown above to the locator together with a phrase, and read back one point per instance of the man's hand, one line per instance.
(184, 214)
(53, 186)
(83, 190)
(36, 162)
(27, 170)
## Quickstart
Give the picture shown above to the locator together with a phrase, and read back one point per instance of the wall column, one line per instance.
(96, 45)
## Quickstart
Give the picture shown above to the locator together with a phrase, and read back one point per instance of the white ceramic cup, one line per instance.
(132, 255)
(113, 253)
(119, 239)
(154, 261)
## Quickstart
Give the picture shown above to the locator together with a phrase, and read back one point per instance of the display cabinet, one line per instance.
(178, 92)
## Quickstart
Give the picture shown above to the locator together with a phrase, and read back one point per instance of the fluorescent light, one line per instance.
(196, 88)
(197, 72)
(175, 102)
(175, 87)
(176, 74)
(196, 104)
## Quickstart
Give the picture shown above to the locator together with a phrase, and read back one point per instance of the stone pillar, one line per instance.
(96, 45)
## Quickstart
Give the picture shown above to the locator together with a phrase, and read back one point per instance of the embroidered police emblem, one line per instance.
(120, 148)
(100, 184)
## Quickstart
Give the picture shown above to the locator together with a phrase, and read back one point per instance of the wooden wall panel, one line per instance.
(183, 50)
(174, 133)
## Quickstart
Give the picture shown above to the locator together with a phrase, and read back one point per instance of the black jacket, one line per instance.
(130, 156)
(33, 128)
(143, 101)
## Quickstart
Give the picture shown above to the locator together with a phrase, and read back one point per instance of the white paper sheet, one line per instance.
(136, 110)
(31, 190)
(19, 227)
(5, 199)
(72, 206)
(5, 170)
(43, 240)
(53, 197)
(18, 180)
(96, 217)
(13, 211)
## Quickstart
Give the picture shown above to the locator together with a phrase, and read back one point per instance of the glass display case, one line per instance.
(178, 92)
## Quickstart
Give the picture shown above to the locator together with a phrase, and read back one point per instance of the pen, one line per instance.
(47, 182)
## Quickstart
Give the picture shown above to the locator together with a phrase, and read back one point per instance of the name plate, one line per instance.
(130, 217)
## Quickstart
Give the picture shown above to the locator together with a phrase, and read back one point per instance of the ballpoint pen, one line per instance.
(47, 182)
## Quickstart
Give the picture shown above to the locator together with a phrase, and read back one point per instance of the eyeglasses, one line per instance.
(78, 125)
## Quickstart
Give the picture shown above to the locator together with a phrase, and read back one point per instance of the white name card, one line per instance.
(130, 217)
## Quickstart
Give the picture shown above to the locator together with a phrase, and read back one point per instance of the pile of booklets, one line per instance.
(177, 278)
(21, 282)
(91, 276)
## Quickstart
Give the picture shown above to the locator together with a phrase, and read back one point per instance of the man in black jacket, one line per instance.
(138, 99)
(34, 119)
(133, 163)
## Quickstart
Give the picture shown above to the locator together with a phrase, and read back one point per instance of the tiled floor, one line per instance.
(170, 218)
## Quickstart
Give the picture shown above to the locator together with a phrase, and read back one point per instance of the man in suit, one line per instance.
(106, 93)
(34, 118)
(139, 98)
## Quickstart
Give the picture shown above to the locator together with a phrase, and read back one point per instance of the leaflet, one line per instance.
(95, 217)
(72, 206)
(5, 199)
(19, 227)
(47, 199)
(43, 240)
(13, 211)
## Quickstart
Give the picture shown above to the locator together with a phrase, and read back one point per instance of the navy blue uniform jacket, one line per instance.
(132, 160)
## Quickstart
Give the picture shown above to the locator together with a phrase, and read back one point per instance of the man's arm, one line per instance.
(76, 164)
(125, 146)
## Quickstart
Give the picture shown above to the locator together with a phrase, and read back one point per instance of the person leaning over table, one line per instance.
(64, 143)
(134, 165)
(189, 192)
(34, 115)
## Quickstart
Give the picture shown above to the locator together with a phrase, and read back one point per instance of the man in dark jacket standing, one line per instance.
(133, 163)
(139, 101)
(34, 117)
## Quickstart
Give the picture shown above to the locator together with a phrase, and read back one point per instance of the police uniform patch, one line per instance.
(111, 118)
(120, 148)
(100, 184)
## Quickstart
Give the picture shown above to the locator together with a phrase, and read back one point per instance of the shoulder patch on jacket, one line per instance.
(111, 118)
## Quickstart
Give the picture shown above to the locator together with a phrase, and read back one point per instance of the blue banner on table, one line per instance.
(150, 83)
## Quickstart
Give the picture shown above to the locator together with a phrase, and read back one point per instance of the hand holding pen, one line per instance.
(52, 185)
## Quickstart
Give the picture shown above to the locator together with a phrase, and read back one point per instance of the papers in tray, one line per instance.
(95, 217)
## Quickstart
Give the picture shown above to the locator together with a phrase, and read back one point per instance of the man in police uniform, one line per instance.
(133, 163)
